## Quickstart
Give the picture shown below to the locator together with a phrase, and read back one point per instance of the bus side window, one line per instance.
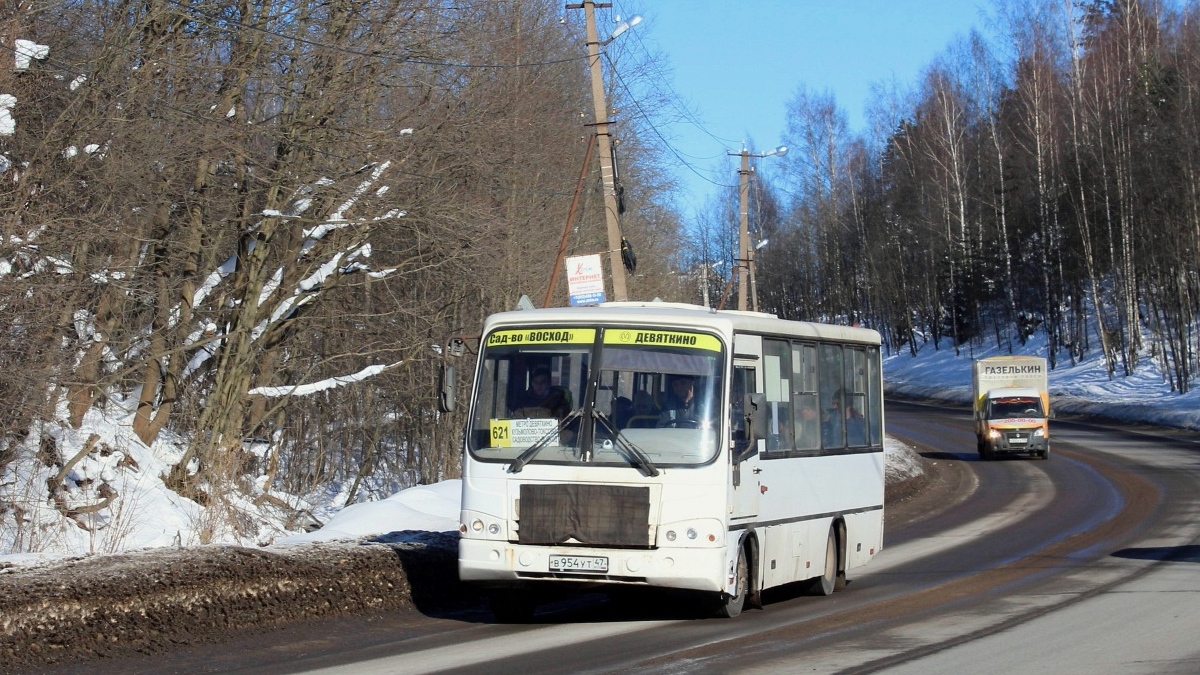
(804, 397)
(743, 386)
(833, 416)
(856, 396)
(777, 376)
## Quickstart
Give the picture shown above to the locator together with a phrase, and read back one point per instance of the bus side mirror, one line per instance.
(447, 382)
(755, 415)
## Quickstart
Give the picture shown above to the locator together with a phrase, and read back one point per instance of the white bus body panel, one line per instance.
(787, 503)
(682, 499)
(793, 546)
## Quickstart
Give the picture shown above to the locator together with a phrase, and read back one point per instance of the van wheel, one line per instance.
(731, 605)
(1045, 454)
(825, 584)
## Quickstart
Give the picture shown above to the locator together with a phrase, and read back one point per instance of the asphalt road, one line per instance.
(1088, 562)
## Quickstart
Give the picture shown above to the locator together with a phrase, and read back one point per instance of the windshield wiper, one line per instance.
(632, 453)
(524, 458)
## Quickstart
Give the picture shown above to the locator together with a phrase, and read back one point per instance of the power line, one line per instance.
(657, 132)
(685, 113)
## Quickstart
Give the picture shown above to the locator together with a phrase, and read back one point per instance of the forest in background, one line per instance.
(1046, 179)
(206, 202)
(209, 207)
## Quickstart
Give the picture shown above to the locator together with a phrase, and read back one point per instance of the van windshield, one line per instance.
(604, 396)
(1016, 406)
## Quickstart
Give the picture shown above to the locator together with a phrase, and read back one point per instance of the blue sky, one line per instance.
(737, 64)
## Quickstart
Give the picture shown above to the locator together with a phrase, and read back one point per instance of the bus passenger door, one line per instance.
(744, 452)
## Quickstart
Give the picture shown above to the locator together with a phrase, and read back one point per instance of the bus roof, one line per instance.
(681, 315)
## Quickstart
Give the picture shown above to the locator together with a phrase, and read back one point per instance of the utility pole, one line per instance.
(604, 148)
(745, 251)
(744, 230)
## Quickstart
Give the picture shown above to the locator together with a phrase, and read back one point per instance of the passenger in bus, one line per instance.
(645, 413)
(622, 410)
(856, 426)
(541, 399)
(808, 427)
(832, 423)
(843, 417)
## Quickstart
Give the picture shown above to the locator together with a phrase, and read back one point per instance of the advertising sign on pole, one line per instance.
(585, 280)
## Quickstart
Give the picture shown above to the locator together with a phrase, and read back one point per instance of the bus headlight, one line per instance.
(993, 434)
(697, 533)
(477, 525)
(1040, 432)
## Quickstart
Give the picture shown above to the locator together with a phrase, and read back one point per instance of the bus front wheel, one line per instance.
(731, 605)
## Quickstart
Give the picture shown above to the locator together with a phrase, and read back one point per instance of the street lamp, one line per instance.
(745, 255)
(753, 283)
(715, 267)
(622, 27)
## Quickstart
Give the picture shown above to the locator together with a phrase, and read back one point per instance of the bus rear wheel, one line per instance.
(827, 582)
(731, 605)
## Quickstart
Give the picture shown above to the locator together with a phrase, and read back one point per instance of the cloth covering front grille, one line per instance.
(595, 515)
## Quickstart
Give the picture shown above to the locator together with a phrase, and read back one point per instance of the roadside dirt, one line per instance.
(153, 602)
(159, 600)
(942, 484)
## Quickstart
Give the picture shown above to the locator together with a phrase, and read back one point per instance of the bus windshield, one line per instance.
(604, 396)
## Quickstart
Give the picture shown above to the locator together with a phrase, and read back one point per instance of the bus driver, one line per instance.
(680, 407)
(542, 397)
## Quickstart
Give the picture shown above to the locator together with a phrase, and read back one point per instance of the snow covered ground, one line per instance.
(424, 508)
(1083, 388)
(151, 515)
